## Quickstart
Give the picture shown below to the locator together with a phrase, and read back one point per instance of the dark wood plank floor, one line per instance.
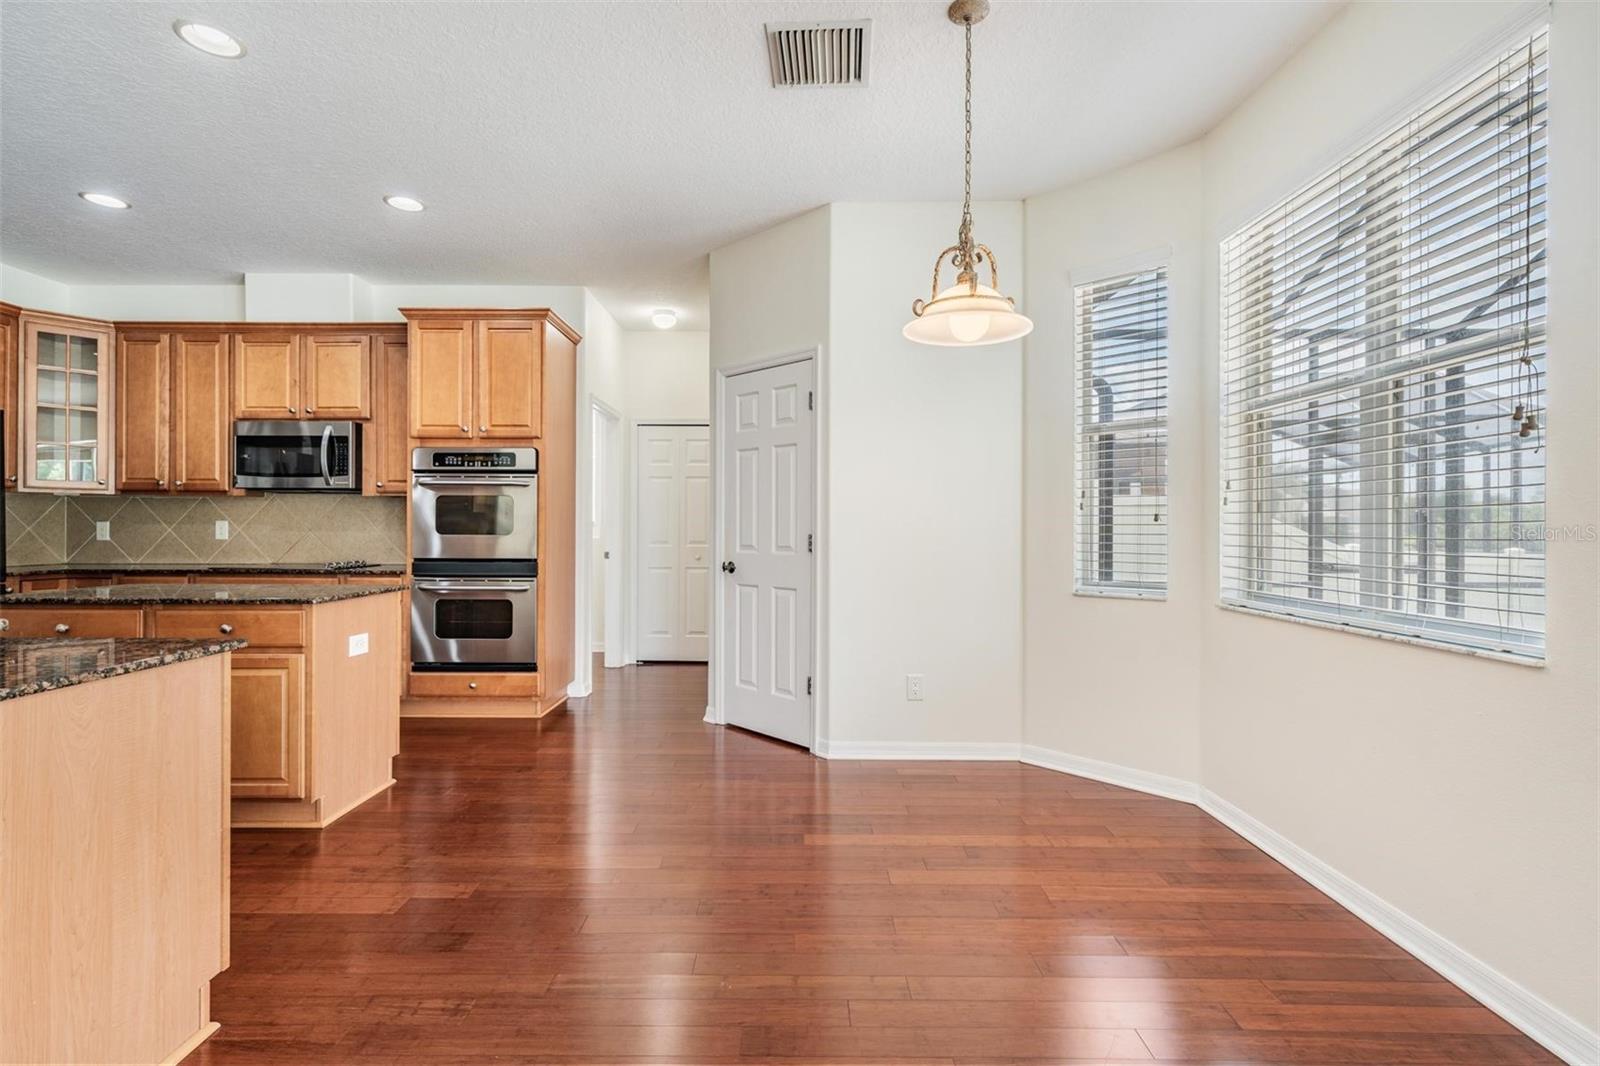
(625, 883)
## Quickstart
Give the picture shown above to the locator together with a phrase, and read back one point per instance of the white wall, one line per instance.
(27, 289)
(1461, 791)
(666, 373)
(203, 303)
(925, 506)
(1088, 689)
(600, 377)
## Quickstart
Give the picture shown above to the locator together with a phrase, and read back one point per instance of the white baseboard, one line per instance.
(577, 690)
(935, 751)
(1554, 1029)
(1112, 773)
(712, 716)
(1558, 1032)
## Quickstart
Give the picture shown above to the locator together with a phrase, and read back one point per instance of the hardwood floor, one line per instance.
(624, 883)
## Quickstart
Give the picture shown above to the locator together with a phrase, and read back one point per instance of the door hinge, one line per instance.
(811, 542)
(808, 686)
(811, 400)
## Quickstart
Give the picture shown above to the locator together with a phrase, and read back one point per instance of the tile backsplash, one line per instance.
(297, 528)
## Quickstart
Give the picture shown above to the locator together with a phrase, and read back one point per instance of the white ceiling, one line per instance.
(607, 144)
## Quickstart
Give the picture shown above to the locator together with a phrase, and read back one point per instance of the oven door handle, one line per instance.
(322, 454)
(452, 481)
(473, 588)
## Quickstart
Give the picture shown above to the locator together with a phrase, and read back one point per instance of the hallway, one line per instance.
(622, 882)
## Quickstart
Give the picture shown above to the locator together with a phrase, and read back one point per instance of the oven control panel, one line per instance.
(457, 460)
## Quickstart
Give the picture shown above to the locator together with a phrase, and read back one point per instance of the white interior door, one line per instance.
(674, 579)
(766, 459)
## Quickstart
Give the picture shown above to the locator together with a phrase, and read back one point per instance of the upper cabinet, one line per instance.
(387, 447)
(479, 375)
(173, 429)
(66, 396)
(10, 349)
(302, 376)
(337, 376)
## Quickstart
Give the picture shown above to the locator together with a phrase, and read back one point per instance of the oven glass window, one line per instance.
(286, 456)
(472, 619)
(464, 514)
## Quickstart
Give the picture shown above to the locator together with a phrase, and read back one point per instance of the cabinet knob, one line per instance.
(226, 628)
(11, 480)
(309, 411)
(464, 428)
(161, 483)
(292, 410)
(483, 429)
(472, 684)
(62, 627)
(102, 481)
(379, 484)
(5, 624)
(178, 483)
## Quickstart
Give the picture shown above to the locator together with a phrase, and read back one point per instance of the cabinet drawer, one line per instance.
(496, 686)
(84, 622)
(260, 627)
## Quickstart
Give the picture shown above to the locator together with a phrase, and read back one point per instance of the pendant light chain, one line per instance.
(965, 256)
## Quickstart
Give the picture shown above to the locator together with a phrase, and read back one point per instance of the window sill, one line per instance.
(1120, 594)
(1397, 638)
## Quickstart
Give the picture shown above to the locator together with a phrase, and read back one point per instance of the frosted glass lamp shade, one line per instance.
(966, 316)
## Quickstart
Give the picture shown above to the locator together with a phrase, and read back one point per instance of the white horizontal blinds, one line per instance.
(1383, 370)
(1121, 537)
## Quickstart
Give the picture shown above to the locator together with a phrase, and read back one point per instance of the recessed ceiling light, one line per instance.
(101, 199)
(403, 203)
(209, 39)
(664, 319)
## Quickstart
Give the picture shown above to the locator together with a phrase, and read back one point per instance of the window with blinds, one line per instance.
(1121, 423)
(1383, 336)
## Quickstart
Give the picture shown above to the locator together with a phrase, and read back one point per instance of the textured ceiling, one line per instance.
(606, 144)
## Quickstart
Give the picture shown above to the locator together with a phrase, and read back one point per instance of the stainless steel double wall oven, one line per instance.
(475, 564)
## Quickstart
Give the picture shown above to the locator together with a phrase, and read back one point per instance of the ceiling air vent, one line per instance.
(819, 53)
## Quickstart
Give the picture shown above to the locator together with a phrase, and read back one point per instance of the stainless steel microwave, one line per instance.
(297, 456)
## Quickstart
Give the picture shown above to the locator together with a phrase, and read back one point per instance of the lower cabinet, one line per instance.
(269, 726)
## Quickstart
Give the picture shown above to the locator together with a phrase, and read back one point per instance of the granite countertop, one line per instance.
(198, 595)
(308, 570)
(30, 665)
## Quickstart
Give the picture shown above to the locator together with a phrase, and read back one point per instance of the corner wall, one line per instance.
(1455, 792)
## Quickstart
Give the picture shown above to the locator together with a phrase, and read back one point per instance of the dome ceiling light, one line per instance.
(967, 314)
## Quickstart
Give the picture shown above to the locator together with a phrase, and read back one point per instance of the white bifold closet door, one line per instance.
(674, 538)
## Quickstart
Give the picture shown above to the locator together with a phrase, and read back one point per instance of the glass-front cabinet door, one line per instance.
(66, 406)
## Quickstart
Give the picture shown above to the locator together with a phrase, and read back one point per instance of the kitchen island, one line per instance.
(315, 697)
(113, 846)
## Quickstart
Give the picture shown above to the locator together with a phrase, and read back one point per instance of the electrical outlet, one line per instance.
(222, 529)
(358, 644)
(102, 531)
(913, 686)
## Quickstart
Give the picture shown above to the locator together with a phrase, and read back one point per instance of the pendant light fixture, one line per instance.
(967, 314)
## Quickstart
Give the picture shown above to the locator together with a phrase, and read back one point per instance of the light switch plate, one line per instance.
(222, 529)
(102, 531)
(358, 644)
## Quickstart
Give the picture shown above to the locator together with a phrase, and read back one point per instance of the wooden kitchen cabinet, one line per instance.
(266, 375)
(387, 447)
(202, 432)
(10, 350)
(173, 429)
(269, 720)
(510, 362)
(67, 397)
(337, 376)
(441, 379)
(143, 391)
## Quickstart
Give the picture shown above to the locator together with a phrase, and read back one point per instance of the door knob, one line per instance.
(729, 567)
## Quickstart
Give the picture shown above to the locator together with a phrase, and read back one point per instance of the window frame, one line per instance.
(1477, 639)
(1079, 281)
